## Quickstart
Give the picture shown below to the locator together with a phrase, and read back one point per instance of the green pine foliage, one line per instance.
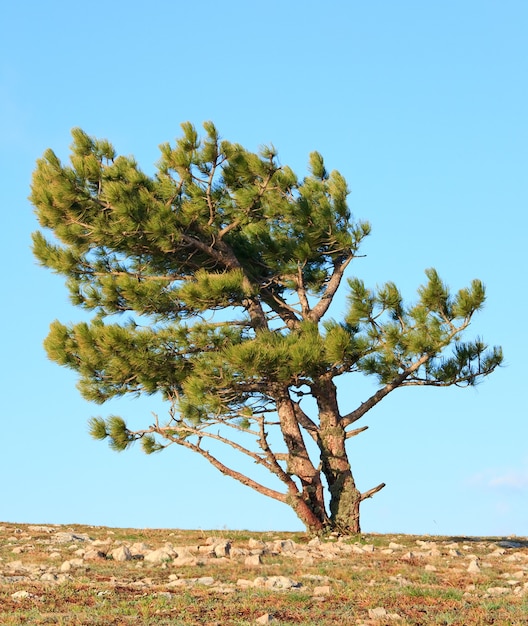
(210, 283)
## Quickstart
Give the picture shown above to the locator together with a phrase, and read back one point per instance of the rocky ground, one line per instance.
(38, 560)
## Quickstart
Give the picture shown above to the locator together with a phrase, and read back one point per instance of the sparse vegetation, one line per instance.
(135, 592)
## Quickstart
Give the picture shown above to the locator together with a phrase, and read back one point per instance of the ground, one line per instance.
(87, 576)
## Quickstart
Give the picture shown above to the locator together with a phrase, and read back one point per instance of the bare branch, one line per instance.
(357, 431)
(371, 492)
(242, 478)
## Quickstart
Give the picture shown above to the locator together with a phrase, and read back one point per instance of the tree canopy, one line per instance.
(210, 283)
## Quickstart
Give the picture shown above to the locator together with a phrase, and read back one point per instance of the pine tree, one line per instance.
(226, 264)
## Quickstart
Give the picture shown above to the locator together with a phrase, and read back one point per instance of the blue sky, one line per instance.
(420, 105)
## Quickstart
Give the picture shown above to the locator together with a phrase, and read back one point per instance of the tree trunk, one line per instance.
(308, 502)
(345, 498)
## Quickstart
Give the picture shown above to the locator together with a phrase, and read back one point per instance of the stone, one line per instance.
(19, 595)
(377, 613)
(276, 582)
(121, 554)
(222, 549)
(264, 619)
(284, 546)
(434, 552)
(498, 591)
(40, 529)
(243, 583)
(253, 560)
(381, 613)
(139, 548)
(63, 537)
(93, 555)
(474, 567)
(161, 555)
(430, 568)
(498, 552)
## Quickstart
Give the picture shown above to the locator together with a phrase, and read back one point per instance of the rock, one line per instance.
(430, 568)
(121, 554)
(474, 567)
(395, 546)
(243, 583)
(253, 560)
(256, 544)
(49, 577)
(16, 566)
(161, 555)
(377, 613)
(498, 591)
(93, 555)
(40, 529)
(264, 619)
(222, 549)
(380, 613)
(275, 582)
(322, 590)
(234, 552)
(71, 564)
(498, 552)
(20, 595)
(139, 548)
(284, 546)
(63, 537)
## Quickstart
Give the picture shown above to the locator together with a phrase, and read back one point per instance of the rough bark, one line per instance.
(345, 498)
(308, 503)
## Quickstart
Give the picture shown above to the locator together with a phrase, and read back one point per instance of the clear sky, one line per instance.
(422, 106)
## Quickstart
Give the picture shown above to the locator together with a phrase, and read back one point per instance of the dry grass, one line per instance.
(106, 592)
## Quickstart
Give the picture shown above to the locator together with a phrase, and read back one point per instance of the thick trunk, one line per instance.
(308, 501)
(345, 498)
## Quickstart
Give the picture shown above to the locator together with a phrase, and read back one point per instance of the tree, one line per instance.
(226, 264)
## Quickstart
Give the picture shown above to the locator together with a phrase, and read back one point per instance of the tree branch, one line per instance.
(357, 431)
(354, 416)
(371, 492)
(331, 288)
(227, 471)
(301, 292)
(308, 424)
